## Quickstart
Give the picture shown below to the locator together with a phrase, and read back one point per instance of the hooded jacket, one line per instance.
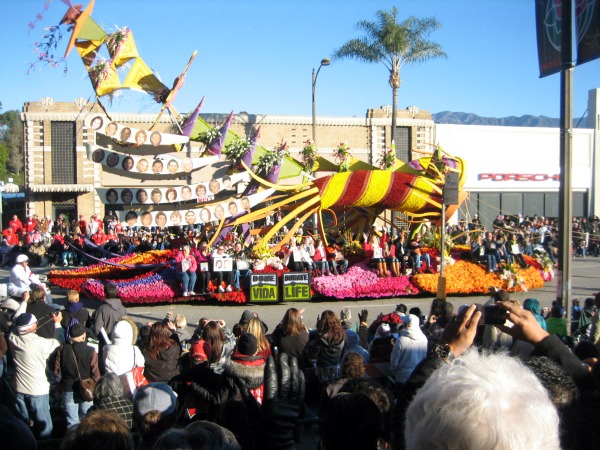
(250, 370)
(353, 345)
(410, 349)
(121, 356)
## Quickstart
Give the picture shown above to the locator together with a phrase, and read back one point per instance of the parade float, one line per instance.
(344, 195)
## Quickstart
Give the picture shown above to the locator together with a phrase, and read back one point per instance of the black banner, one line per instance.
(587, 22)
(548, 19)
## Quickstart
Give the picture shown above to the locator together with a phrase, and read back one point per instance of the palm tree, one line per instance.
(393, 44)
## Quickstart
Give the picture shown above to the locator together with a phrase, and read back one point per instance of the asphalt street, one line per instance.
(585, 281)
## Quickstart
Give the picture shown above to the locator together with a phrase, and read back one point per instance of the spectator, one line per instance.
(352, 422)
(200, 435)
(246, 365)
(327, 346)
(556, 323)
(162, 354)
(109, 396)
(76, 361)
(255, 327)
(74, 311)
(121, 356)
(22, 279)
(352, 367)
(533, 305)
(181, 328)
(106, 317)
(291, 336)
(346, 320)
(353, 346)
(201, 392)
(47, 315)
(222, 342)
(438, 413)
(99, 429)
(30, 354)
(409, 350)
(153, 412)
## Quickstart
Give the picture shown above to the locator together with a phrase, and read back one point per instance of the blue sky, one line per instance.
(257, 56)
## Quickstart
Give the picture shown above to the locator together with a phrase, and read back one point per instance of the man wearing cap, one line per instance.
(30, 354)
(21, 278)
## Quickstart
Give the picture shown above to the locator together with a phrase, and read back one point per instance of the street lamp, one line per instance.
(324, 62)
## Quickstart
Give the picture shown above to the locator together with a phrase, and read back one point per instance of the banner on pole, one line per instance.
(548, 20)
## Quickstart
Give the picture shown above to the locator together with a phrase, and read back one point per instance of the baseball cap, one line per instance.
(21, 258)
(154, 397)
(24, 322)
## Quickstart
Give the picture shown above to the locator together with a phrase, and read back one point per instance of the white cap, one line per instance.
(21, 258)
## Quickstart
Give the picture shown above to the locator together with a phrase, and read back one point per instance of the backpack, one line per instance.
(71, 323)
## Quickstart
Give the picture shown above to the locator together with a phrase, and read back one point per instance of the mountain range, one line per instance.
(460, 118)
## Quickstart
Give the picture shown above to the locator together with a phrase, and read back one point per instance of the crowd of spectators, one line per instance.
(407, 379)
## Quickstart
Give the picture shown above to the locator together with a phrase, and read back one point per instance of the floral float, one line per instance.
(147, 278)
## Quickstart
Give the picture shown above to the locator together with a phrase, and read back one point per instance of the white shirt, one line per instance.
(31, 353)
(20, 279)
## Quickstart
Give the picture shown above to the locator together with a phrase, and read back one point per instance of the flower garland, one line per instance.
(341, 155)
(309, 155)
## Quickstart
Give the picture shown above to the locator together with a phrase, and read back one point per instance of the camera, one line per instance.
(492, 315)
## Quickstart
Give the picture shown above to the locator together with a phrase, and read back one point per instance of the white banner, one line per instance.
(200, 192)
(122, 133)
(196, 215)
(165, 164)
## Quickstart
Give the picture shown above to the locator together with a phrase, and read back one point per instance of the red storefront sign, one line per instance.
(518, 177)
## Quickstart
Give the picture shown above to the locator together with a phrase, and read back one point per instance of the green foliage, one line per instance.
(4, 150)
(11, 136)
(391, 43)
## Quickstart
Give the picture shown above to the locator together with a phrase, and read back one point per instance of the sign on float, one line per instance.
(296, 286)
(264, 288)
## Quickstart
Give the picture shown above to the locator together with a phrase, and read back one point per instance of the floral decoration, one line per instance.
(114, 40)
(341, 155)
(272, 158)
(208, 136)
(46, 49)
(362, 282)
(388, 158)
(236, 149)
(100, 70)
(309, 155)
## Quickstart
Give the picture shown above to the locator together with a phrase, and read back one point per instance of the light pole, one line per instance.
(324, 62)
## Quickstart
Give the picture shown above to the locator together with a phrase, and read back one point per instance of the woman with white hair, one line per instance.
(109, 395)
